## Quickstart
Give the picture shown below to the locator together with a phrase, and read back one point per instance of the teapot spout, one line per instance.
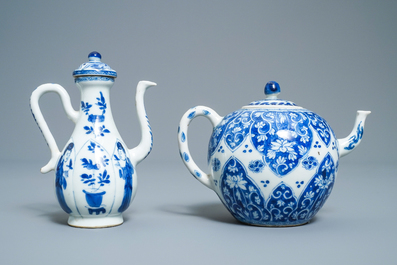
(346, 145)
(145, 145)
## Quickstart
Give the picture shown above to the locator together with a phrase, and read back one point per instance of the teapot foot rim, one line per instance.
(276, 226)
(95, 222)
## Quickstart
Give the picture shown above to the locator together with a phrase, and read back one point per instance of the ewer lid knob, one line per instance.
(94, 67)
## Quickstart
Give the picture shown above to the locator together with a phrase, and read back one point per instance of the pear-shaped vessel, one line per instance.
(95, 174)
(272, 163)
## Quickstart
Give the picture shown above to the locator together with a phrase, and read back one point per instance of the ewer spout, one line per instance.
(145, 145)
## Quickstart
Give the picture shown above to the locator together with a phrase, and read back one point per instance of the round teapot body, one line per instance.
(273, 166)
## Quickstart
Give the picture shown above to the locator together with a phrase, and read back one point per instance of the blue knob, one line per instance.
(95, 56)
(272, 87)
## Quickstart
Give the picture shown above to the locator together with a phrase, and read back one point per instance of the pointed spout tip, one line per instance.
(365, 112)
(147, 83)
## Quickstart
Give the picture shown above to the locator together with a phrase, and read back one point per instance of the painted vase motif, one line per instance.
(272, 163)
(95, 177)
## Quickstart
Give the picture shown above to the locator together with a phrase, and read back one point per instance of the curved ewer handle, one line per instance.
(347, 144)
(215, 119)
(38, 116)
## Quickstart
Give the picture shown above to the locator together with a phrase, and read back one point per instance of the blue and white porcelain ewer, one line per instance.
(272, 163)
(95, 174)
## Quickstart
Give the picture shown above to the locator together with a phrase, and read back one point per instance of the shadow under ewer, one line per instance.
(51, 212)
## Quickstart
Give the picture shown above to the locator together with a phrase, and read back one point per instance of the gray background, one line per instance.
(331, 57)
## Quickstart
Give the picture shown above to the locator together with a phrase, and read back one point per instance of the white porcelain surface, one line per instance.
(272, 163)
(95, 174)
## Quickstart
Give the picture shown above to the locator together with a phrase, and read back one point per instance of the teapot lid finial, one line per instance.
(272, 89)
(94, 67)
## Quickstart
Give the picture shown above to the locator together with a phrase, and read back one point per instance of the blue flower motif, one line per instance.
(103, 130)
(310, 163)
(256, 166)
(216, 164)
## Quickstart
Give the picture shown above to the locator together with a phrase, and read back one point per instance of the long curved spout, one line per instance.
(346, 145)
(145, 146)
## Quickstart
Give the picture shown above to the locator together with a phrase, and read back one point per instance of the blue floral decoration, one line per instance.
(191, 115)
(197, 174)
(216, 164)
(85, 107)
(282, 207)
(310, 163)
(355, 138)
(256, 166)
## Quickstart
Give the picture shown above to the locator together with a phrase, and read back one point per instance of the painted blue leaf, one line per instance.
(186, 157)
(86, 176)
(183, 137)
(88, 164)
(197, 173)
(85, 107)
(206, 112)
(101, 103)
(191, 115)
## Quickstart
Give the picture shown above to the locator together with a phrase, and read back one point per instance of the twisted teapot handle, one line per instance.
(195, 112)
(38, 116)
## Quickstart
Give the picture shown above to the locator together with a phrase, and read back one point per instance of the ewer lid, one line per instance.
(94, 67)
(272, 89)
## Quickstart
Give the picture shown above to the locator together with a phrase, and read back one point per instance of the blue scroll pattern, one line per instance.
(282, 137)
(246, 202)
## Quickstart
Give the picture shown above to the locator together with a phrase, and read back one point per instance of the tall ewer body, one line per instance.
(95, 174)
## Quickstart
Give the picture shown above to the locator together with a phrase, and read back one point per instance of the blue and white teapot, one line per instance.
(95, 174)
(272, 163)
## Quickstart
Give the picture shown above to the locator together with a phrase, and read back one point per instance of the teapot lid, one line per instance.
(94, 67)
(272, 89)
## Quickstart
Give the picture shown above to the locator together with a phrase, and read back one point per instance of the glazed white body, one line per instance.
(270, 165)
(74, 195)
(95, 174)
